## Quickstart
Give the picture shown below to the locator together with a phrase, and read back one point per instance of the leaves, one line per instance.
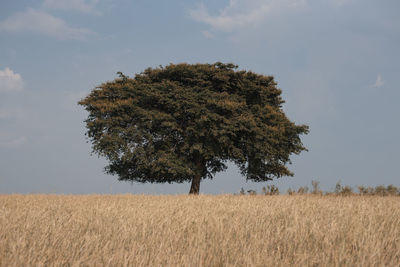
(165, 122)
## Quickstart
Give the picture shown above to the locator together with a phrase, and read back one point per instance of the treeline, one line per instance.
(340, 190)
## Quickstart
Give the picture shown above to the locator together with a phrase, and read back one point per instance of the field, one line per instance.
(225, 230)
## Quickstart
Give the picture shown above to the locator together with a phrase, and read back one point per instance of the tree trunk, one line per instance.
(195, 187)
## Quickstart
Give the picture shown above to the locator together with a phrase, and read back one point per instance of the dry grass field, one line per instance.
(140, 230)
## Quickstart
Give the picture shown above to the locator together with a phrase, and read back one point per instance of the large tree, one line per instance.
(185, 122)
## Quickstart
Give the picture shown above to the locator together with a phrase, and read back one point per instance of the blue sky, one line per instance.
(337, 62)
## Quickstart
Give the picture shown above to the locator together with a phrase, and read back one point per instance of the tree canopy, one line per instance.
(184, 122)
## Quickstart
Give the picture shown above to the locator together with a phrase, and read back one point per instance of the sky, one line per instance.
(336, 61)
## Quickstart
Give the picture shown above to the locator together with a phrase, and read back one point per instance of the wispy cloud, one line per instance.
(239, 14)
(84, 6)
(10, 81)
(379, 82)
(39, 21)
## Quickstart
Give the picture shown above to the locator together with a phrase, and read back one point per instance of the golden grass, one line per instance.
(139, 230)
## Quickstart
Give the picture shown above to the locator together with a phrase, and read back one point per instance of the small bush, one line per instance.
(346, 191)
(338, 187)
(340, 190)
(302, 190)
(315, 185)
(392, 190)
(366, 190)
(270, 190)
(343, 190)
(380, 190)
(252, 192)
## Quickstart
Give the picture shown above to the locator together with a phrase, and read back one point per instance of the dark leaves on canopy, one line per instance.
(164, 123)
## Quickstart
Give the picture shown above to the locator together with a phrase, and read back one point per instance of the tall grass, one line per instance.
(243, 230)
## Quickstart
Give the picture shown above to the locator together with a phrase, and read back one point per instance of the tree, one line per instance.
(185, 122)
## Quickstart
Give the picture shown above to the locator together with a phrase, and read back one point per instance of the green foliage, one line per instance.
(184, 122)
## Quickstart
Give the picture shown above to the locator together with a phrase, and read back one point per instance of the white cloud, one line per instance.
(41, 22)
(379, 82)
(244, 13)
(241, 13)
(10, 81)
(84, 6)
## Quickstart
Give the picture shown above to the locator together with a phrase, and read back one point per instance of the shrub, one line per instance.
(252, 192)
(365, 190)
(392, 190)
(315, 185)
(242, 192)
(270, 190)
(302, 190)
(346, 191)
(380, 190)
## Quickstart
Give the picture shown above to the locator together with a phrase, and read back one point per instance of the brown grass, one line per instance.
(199, 230)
